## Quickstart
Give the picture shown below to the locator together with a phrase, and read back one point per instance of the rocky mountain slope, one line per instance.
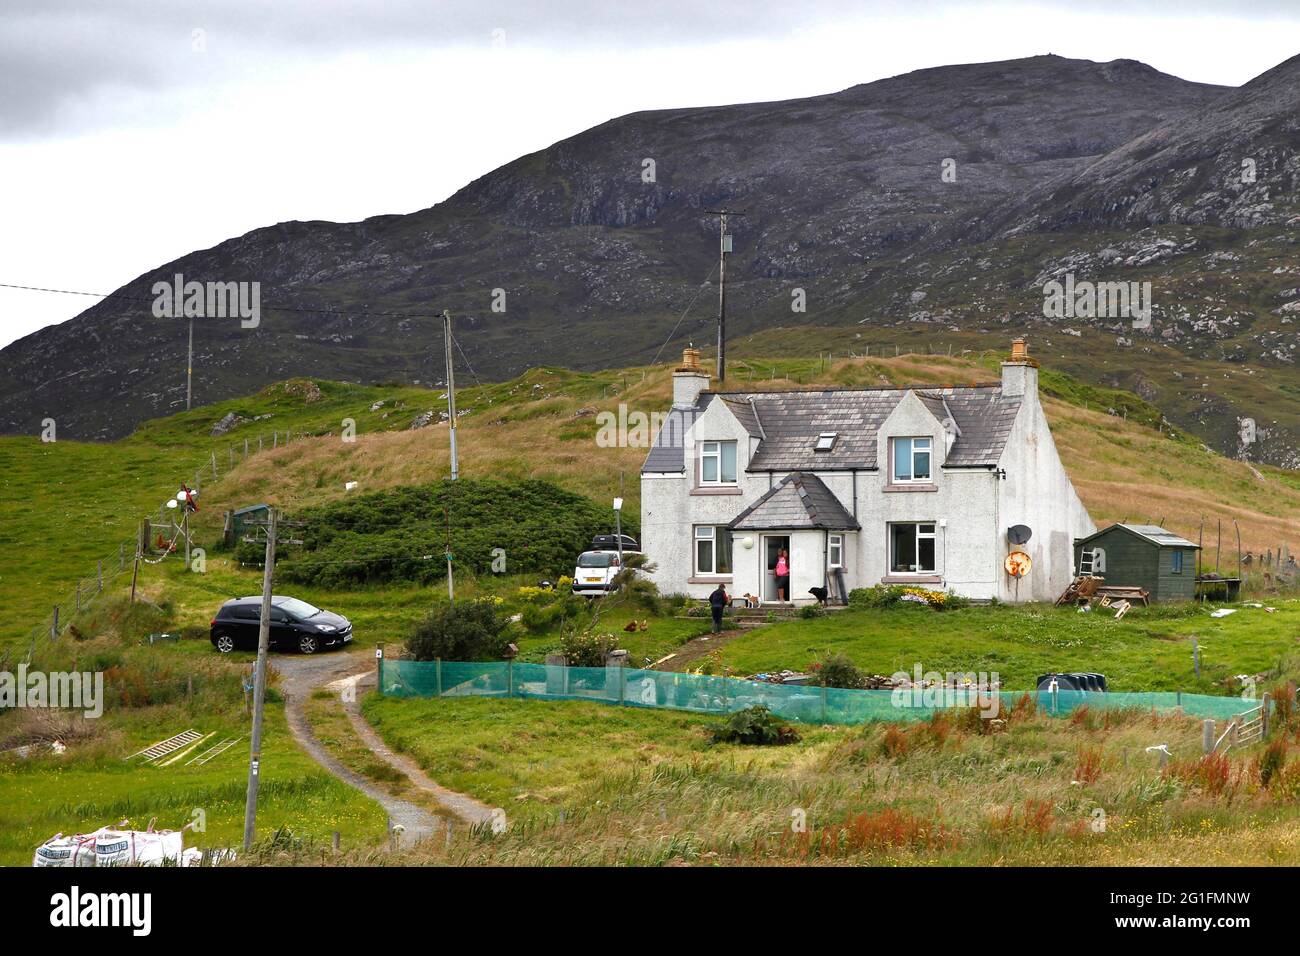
(1053, 165)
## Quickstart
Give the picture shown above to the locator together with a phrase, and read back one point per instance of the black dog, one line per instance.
(819, 594)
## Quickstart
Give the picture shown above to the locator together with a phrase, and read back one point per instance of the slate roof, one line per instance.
(788, 424)
(666, 453)
(797, 501)
(1149, 532)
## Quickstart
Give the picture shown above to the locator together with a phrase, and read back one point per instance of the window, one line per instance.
(597, 559)
(911, 459)
(718, 463)
(1178, 562)
(712, 549)
(825, 441)
(835, 551)
(911, 548)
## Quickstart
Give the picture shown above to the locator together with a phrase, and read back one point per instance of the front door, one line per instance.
(773, 544)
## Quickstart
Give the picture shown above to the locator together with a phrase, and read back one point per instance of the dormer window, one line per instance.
(911, 459)
(825, 441)
(717, 463)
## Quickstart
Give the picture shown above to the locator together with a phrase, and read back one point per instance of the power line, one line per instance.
(270, 308)
(703, 285)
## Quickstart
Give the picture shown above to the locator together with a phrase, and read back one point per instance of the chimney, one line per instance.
(1020, 373)
(689, 379)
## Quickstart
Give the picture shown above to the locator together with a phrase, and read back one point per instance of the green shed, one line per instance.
(1140, 555)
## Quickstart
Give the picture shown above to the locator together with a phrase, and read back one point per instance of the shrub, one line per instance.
(1089, 767)
(837, 670)
(1271, 761)
(754, 725)
(891, 595)
(401, 534)
(587, 648)
(810, 611)
(465, 631)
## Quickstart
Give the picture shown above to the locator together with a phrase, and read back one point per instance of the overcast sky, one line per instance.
(133, 132)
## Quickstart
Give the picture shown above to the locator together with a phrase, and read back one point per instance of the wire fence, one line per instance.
(702, 694)
(165, 522)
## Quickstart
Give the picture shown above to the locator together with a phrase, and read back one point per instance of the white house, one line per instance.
(917, 485)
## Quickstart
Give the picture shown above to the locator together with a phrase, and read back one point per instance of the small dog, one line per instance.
(751, 600)
(820, 594)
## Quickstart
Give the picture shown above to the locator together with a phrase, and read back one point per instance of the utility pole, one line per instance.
(259, 683)
(724, 247)
(189, 366)
(451, 400)
(451, 590)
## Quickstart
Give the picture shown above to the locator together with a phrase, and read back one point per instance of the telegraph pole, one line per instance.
(451, 391)
(189, 366)
(259, 683)
(724, 247)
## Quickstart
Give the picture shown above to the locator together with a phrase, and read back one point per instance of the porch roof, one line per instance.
(800, 500)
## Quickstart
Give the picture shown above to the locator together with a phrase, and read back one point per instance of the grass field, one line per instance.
(594, 784)
(1150, 649)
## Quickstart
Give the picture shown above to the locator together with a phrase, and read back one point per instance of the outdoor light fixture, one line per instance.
(747, 542)
(618, 504)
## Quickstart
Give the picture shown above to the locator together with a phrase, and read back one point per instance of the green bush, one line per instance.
(836, 670)
(464, 631)
(401, 534)
(809, 611)
(587, 648)
(754, 725)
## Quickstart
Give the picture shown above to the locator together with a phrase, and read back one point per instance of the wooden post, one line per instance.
(121, 557)
(99, 569)
(823, 703)
(1207, 735)
(245, 446)
(437, 670)
(77, 598)
(135, 575)
(510, 678)
(54, 627)
(379, 669)
(214, 466)
(336, 841)
(1263, 713)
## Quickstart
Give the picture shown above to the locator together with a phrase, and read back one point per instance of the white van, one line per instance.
(597, 568)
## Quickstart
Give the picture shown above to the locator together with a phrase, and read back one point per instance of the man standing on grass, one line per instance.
(718, 600)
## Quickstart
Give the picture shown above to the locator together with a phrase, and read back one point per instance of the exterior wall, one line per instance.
(1176, 587)
(671, 505)
(1037, 492)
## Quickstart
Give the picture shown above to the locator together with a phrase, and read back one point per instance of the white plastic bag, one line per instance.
(75, 850)
(138, 847)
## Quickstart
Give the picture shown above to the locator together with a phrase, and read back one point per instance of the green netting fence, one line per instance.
(703, 694)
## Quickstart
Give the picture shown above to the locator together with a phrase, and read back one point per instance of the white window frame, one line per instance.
(713, 450)
(918, 537)
(709, 533)
(911, 464)
(835, 551)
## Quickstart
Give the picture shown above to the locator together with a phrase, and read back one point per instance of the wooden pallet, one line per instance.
(1084, 586)
(1125, 593)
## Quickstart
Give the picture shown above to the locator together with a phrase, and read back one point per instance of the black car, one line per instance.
(295, 625)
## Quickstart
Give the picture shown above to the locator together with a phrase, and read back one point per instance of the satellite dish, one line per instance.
(1019, 534)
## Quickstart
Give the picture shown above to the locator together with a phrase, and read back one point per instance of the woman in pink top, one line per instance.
(782, 575)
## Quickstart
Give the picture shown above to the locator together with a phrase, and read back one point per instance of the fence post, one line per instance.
(245, 446)
(823, 703)
(99, 568)
(54, 627)
(510, 678)
(259, 443)
(1207, 735)
(437, 669)
(379, 669)
(76, 600)
(214, 466)
(121, 556)
(1264, 713)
